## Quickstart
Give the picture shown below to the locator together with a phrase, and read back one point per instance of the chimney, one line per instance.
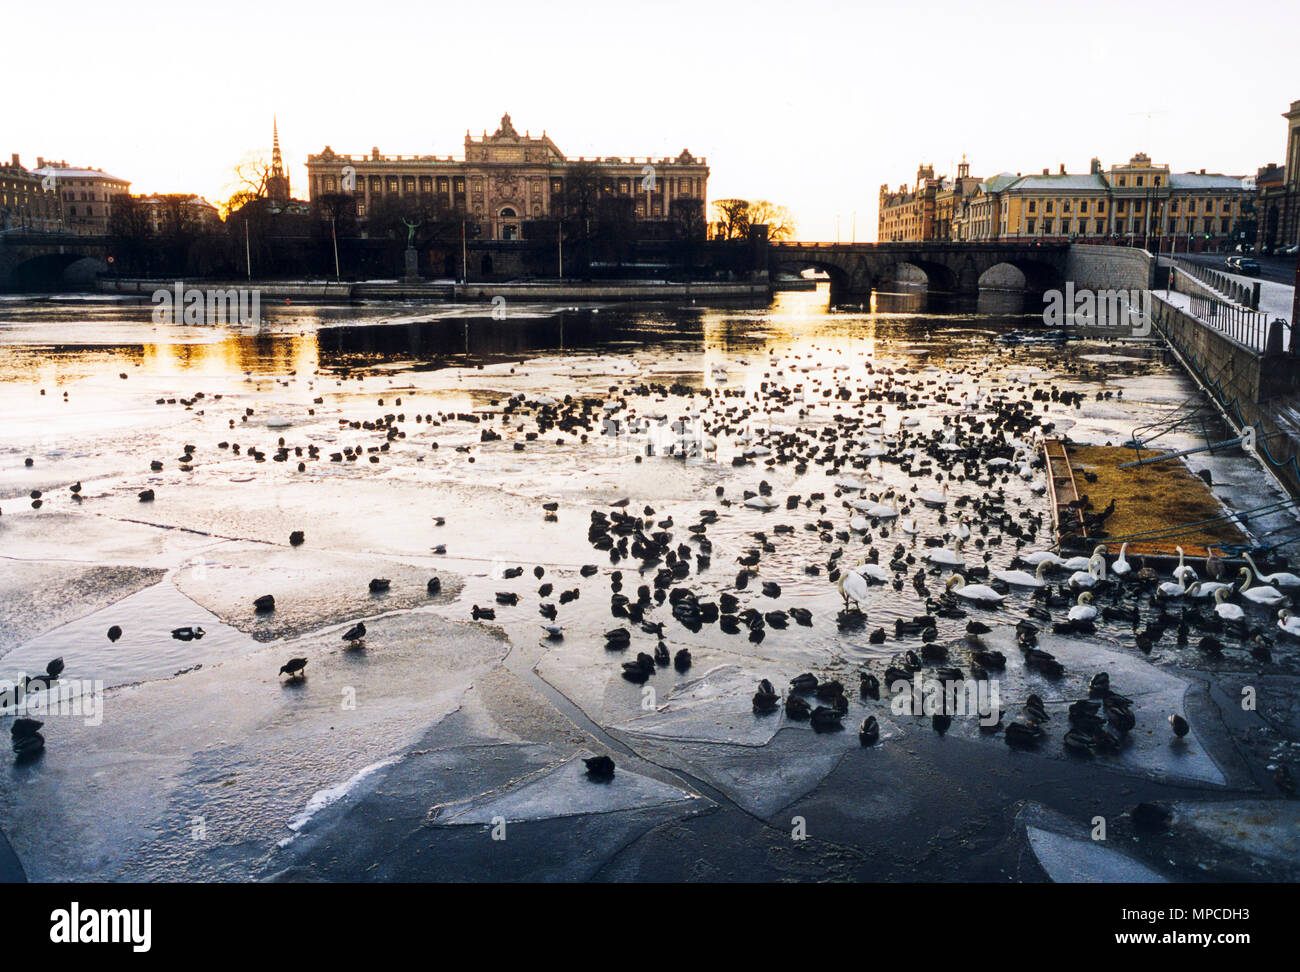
(1062, 168)
(1046, 171)
(1095, 167)
(17, 164)
(40, 162)
(1202, 172)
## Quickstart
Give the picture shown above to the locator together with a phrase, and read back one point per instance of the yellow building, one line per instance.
(86, 195)
(27, 202)
(506, 179)
(1136, 203)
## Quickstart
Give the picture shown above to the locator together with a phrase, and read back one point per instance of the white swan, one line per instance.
(1121, 567)
(1088, 578)
(973, 592)
(1022, 578)
(1037, 558)
(1229, 612)
(1170, 589)
(1279, 579)
(1182, 571)
(859, 524)
(962, 532)
(1288, 623)
(1260, 595)
(874, 573)
(947, 557)
(1207, 588)
(877, 511)
(932, 497)
(761, 502)
(852, 587)
(909, 526)
(1083, 609)
(1082, 563)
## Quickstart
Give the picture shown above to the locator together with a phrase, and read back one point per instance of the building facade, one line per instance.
(506, 180)
(198, 211)
(85, 194)
(1136, 203)
(1277, 206)
(27, 202)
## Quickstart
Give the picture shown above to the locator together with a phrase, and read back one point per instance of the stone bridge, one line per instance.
(47, 261)
(855, 269)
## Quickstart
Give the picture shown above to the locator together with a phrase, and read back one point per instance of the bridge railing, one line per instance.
(1245, 326)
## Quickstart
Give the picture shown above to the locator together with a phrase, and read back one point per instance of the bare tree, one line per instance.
(778, 219)
(731, 218)
(249, 181)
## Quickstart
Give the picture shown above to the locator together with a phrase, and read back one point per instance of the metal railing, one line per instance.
(1212, 278)
(1245, 326)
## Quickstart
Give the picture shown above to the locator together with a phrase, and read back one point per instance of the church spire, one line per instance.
(277, 183)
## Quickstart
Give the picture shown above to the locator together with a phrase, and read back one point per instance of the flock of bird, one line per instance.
(930, 477)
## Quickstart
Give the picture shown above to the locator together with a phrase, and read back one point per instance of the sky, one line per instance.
(811, 105)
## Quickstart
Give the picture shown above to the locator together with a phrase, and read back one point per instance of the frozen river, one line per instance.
(414, 442)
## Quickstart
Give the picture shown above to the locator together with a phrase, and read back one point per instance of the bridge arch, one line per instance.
(843, 282)
(1035, 276)
(939, 278)
(52, 271)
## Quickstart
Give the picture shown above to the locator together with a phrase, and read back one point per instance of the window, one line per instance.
(1033, 205)
(1029, 226)
(1083, 205)
(1121, 180)
(1139, 180)
(1100, 227)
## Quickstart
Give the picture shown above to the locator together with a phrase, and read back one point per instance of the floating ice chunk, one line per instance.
(564, 790)
(1072, 860)
(328, 797)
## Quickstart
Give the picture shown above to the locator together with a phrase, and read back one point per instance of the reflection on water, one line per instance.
(60, 342)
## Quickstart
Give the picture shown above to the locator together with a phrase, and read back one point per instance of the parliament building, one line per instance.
(507, 179)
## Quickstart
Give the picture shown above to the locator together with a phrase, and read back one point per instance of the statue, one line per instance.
(410, 232)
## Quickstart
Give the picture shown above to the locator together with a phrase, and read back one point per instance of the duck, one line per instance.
(294, 668)
(981, 593)
(1229, 612)
(1182, 571)
(1179, 725)
(1279, 579)
(1288, 623)
(1083, 611)
(1270, 596)
(1022, 578)
(1121, 567)
(355, 634)
(946, 557)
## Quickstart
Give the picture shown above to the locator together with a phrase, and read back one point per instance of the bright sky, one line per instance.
(812, 105)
